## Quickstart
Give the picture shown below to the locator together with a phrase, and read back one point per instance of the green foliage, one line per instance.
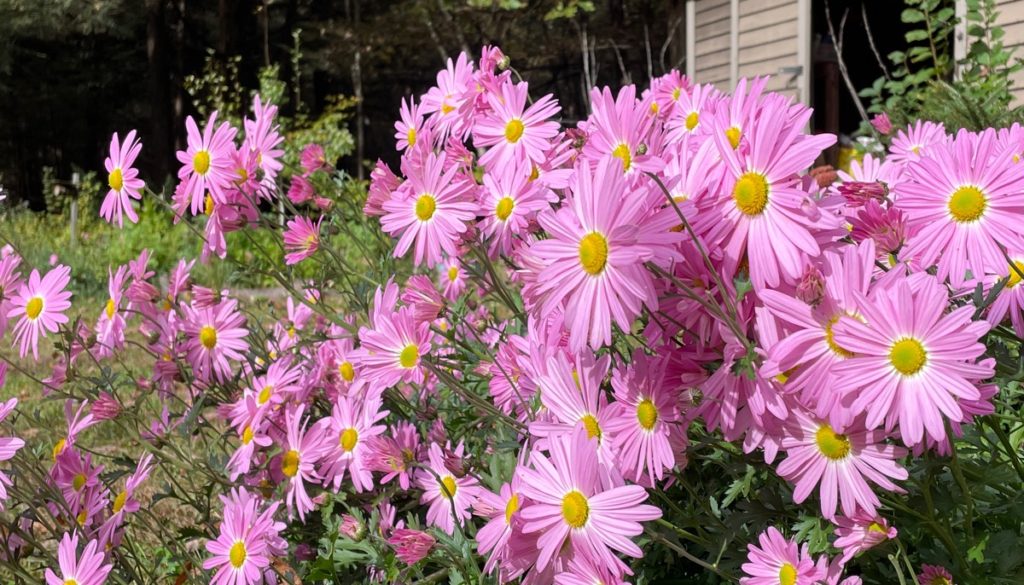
(218, 88)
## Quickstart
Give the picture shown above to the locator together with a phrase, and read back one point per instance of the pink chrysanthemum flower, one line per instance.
(779, 561)
(9, 446)
(302, 450)
(40, 303)
(111, 324)
(859, 533)
(594, 260)
(241, 552)
(301, 239)
(571, 501)
(509, 201)
(1011, 298)
(208, 162)
(353, 422)
(514, 132)
(964, 198)
(882, 123)
(446, 494)
(394, 347)
(263, 142)
(761, 212)
(934, 575)
(10, 282)
(215, 335)
(916, 141)
(123, 180)
(409, 128)
(691, 111)
(395, 453)
(887, 227)
(585, 571)
(445, 100)
(645, 421)
(842, 463)
(432, 209)
(912, 362)
(411, 546)
(502, 509)
(620, 127)
(85, 570)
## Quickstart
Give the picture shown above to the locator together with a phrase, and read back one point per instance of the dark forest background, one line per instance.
(72, 72)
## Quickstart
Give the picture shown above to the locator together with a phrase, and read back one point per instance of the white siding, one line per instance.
(711, 42)
(1011, 18)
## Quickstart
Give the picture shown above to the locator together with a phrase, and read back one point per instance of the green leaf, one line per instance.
(916, 35)
(977, 552)
(912, 15)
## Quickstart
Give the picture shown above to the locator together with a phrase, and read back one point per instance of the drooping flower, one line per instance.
(123, 180)
(411, 546)
(449, 497)
(514, 132)
(207, 163)
(87, 569)
(911, 362)
(40, 303)
(301, 239)
(779, 561)
(393, 454)
(431, 209)
(572, 502)
(963, 199)
(594, 260)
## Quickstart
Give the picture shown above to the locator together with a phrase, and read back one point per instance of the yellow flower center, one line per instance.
(34, 307)
(115, 179)
(208, 205)
(647, 414)
(590, 423)
(514, 130)
(1014, 277)
(751, 193)
(243, 176)
(676, 93)
(348, 439)
(247, 435)
(593, 253)
(410, 356)
(534, 173)
(347, 371)
(201, 162)
(575, 509)
(70, 582)
(655, 108)
(265, 394)
(831, 444)
(208, 337)
(119, 502)
(511, 508)
(876, 527)
(78, 481)
(939, 580)
(82, 517)
(58, 448)
(447, 108)
(692, 119)
(290, 463)
(967, 204)
(453, 273)
(410, 136)
(908, 356)
(787, 574)
(734, 134)
(622, 153)
(237, 554)
(504, 208)
(110, 308)
(831, 341)
(425, 207)
(448, 487)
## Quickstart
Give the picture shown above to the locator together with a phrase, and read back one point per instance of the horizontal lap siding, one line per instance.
(768, 37)
(1011, 18)
(711, 32)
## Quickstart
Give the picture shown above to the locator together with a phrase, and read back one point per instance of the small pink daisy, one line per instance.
(123, 180)
(432, 209)
(916, 140)
(111, 324)
(208, 162)
(514, 132)
(411, 546)
(446, 494)
(301, 239)
(9, 446)
(934, 575)
(85, 570)
(40, 303)
(779, 561)
(264, 142)
(215, 335)
(302, 450)
(394, 347)
(857, 534)
(240, 552)
(354, 423)
(509, 201)
(502, 509)
(409, 128)
(573, 502)
(912, 363)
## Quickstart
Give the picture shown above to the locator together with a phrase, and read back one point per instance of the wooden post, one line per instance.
(74, 209)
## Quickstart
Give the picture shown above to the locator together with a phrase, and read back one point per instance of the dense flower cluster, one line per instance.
(665, 263)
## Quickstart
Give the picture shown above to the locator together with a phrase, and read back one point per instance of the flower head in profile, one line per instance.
(123, 180)
(410, 128)
(860, 532)
(301, 239)
(111, 325)
(39, 305)
(87, 569)
(779, 561)
(411, 546)
(935, 575)
(263, 143)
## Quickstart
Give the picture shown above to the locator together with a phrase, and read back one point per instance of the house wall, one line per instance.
(1011, 18)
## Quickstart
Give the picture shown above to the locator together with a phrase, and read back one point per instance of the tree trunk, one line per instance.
(160, 143)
